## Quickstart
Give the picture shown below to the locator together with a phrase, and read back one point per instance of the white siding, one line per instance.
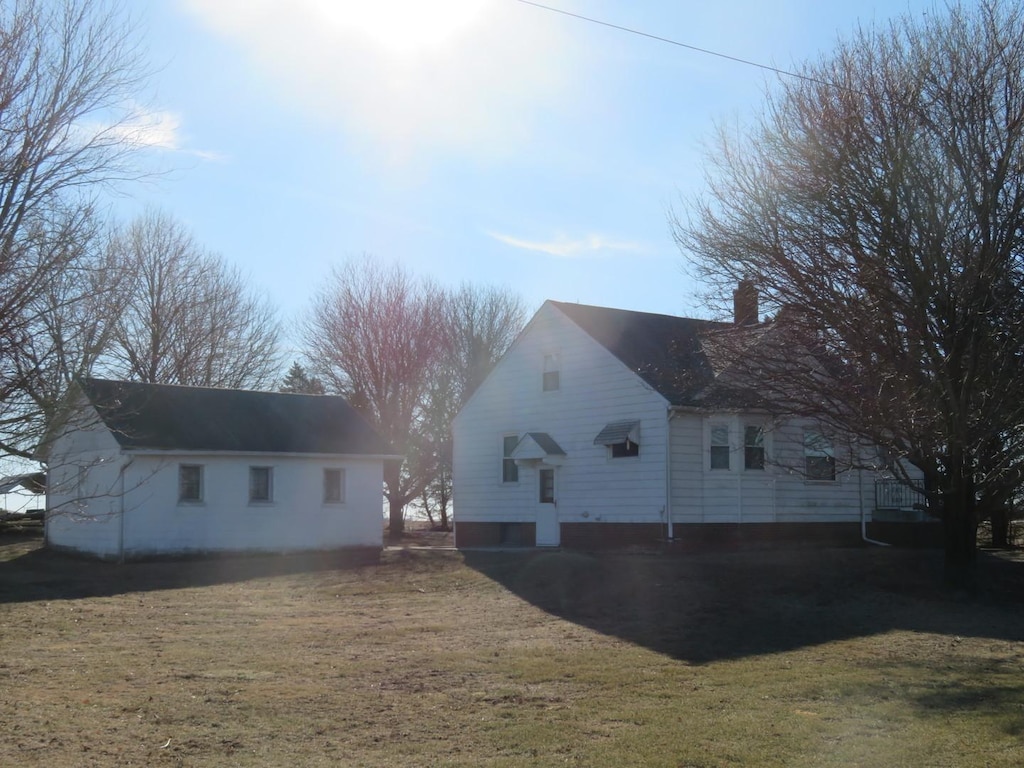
(83, 496)
(779, 493)
(595, 388)
(225, 520)
(103, 502)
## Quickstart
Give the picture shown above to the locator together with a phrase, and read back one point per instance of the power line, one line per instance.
(670, 41)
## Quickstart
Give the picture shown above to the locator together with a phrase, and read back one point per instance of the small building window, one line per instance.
(190, 483)
(819, 457)
(753, 447)
(547, 486)
(551, 370)
(719, 446)
(261, 483)
(509, 470)
(334, 486)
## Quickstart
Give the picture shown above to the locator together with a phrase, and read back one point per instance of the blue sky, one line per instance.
(485, 140)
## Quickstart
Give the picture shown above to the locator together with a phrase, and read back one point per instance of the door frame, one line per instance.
(548, 529)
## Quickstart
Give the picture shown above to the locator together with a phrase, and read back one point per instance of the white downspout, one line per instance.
(864, 514)
(120, 532)
(668, 473)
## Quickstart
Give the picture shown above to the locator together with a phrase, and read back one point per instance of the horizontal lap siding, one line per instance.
(595, 389)
(803, 500)
(225, 521)
(779, 493)
(687, 468)
(83, 496)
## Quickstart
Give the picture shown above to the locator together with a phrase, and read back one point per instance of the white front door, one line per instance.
(548, 534)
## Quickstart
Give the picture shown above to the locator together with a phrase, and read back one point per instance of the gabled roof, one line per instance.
(665, 351)
(177, 418)
(538, 446)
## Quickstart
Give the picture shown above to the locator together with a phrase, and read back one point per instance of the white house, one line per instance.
(143, 470)
(595, 430)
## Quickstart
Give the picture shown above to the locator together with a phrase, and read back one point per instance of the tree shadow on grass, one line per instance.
(726, 605)
(28, 572)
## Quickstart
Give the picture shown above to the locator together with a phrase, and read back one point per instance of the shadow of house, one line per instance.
(706, 608)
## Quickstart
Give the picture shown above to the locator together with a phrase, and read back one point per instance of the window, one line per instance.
(509, 470)
(547, 486)
(551, 368)
(261, 483)
(625, 449)
(190, 483)
(719, 446)
(753, 447)
(819, 458)
(334, 486)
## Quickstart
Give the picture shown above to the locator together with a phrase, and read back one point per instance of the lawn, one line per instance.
(798, 657)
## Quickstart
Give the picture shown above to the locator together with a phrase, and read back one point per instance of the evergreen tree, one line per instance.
(298, 382)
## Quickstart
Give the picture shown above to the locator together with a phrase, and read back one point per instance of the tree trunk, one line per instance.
(1000, 520)
(396, 519)
(960, 533)
(396, 501)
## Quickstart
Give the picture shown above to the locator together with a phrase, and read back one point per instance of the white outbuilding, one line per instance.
(147, 470)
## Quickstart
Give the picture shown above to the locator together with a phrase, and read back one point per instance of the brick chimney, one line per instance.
(744, 303)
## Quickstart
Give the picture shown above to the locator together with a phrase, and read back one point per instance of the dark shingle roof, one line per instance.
(168, 417)
(665, 351)
(546, 443)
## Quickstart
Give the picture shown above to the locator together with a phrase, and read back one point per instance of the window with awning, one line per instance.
(621, 437)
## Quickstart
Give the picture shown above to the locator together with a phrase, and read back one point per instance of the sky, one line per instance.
(483, 141)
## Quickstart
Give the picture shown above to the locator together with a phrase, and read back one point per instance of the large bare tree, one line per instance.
(481, 324)
(71, 71)
(67, 325)
(378, 336)
(187, 316)
(878, 205)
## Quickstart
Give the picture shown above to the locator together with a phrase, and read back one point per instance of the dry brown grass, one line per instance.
(796, 658)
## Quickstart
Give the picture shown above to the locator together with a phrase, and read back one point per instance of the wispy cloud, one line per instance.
(154, 129)
(565, 247)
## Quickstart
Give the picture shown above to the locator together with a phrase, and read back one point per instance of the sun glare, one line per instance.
(405, 27)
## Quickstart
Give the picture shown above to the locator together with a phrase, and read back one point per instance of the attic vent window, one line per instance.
(621, 437)
(551, 381)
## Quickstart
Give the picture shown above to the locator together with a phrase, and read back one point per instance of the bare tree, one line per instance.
(378, 336)
(188, 317)
(67, 326)
(71, 69)
(879, 206)
(481, 324)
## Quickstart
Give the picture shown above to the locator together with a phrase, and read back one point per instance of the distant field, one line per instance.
(846, 657)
